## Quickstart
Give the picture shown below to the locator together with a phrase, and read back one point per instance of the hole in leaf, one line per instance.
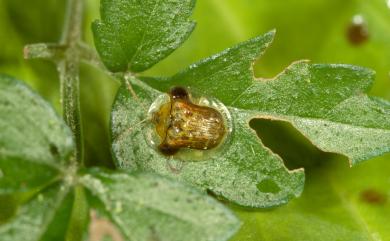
(54, 150)
(286, 141)
(268, 186)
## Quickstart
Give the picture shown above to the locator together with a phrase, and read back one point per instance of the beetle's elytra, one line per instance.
(183, 124)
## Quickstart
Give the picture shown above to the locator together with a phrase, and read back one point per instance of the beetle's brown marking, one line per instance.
(183, 124)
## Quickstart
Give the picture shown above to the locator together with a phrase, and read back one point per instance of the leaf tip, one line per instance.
(270, 35)
(272, 31)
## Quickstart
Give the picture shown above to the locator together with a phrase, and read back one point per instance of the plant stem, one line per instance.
(68, 68)
(67, 55)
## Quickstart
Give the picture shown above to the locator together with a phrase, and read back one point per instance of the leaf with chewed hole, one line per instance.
(148, 207)
(325, 102)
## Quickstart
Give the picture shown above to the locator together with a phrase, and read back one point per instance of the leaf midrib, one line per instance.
(144, 33)
(50, 216)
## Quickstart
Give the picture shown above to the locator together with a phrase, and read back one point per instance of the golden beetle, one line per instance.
(183, 124)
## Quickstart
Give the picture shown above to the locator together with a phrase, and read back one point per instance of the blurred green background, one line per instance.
(338, 203)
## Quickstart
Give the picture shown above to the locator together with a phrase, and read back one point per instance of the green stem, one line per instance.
(67, 55)
(68, 68)
(79, 215)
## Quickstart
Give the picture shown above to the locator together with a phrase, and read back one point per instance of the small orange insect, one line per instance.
(183, 124)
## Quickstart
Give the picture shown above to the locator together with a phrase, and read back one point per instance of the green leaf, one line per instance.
(32, 136)
(8, 207)
(58, 213)
(324, 102)
(42, 218)
(35, 146)
(338, 203)
(56, 225)
(135, 35)
(148, 207)
(56, 207)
